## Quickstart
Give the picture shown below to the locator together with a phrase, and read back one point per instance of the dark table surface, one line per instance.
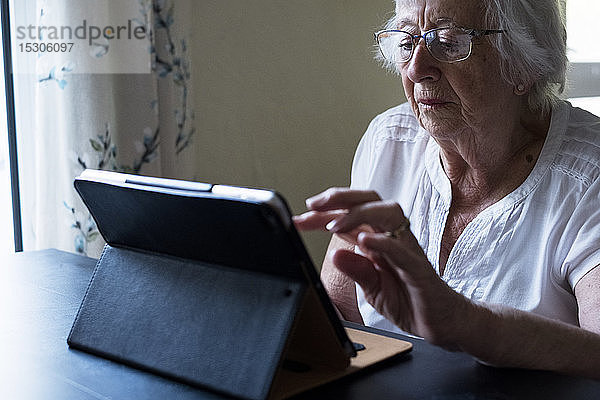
(41, 291)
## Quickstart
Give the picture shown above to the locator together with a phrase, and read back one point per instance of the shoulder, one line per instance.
(394, 130)
(394, 142)
(578, 152)
(573, 191)
(397, 123)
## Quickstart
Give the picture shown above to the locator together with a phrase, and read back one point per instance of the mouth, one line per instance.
(431, 103)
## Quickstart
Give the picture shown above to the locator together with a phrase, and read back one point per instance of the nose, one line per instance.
(422, 66)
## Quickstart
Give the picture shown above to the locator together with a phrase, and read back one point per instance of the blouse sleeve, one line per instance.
(584, 226)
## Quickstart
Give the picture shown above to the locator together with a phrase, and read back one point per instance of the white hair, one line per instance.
(532, 49)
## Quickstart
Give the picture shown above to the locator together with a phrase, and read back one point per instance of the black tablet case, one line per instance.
(204, 290)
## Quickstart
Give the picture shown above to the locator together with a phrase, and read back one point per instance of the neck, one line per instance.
(483, 167)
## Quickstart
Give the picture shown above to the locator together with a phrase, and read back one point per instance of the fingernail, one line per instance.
(361, 236)
(311, 201)
(331, 225)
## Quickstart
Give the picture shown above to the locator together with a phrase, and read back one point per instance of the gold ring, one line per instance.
(395, 234)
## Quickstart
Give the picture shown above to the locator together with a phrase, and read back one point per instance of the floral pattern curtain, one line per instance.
(98, 109)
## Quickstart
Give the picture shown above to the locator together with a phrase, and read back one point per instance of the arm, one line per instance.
(495, 335)
(506, 337)
(340, 288)
(587, 292)
(399, 282)
(543, 343)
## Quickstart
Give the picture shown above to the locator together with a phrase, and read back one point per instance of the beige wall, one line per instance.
(283, 92)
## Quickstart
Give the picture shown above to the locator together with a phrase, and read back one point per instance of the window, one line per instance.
(6, 216)
(583, 85)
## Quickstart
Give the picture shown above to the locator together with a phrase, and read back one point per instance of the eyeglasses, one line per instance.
(449, 45)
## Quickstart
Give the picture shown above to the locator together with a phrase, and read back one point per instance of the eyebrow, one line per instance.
(439, 20)
(404, 22)
(444, 19)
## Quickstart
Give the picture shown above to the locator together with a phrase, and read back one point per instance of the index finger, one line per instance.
(315, 220)
(340, 198)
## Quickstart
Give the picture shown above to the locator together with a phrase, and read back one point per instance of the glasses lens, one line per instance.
(449, 44)
(395, 46)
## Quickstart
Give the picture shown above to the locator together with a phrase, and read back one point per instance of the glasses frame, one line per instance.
(473, 33)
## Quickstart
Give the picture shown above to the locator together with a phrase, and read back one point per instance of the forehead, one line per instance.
(428, 14)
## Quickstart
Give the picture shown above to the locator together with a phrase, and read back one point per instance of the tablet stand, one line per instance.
(214, 291)
(212, 326)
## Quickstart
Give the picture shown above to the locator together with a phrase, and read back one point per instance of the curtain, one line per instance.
(118, 99)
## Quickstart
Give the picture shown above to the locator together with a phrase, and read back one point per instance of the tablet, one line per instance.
(211, 285)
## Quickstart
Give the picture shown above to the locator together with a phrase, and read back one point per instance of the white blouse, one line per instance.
(528, 250)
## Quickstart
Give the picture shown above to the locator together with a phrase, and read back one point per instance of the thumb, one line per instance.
(357, 268)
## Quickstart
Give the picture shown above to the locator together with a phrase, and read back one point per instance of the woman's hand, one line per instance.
(394, 273)
(401, 284)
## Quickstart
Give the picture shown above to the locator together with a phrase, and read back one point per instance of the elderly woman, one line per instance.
(499, 180)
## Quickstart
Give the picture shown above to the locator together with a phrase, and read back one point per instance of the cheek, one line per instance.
(469, 95)
(483, 97)
(479, 85)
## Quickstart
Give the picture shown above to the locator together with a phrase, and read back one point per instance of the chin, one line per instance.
(439, 128)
